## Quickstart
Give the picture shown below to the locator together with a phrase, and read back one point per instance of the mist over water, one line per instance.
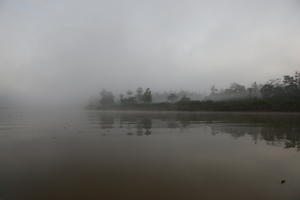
(54, 52)
(58, 57)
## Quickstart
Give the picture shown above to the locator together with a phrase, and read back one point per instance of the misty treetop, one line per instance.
(235, 91)
(288, 87)
(275, 95)
(107, 98)
(139, 97)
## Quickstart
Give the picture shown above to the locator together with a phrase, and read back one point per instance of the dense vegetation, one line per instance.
(275, 95)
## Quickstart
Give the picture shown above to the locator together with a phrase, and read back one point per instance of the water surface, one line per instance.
(148, 155)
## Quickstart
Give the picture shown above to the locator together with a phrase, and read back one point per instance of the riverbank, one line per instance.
(240, 105)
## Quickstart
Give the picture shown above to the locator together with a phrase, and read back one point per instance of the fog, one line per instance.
(66, 50)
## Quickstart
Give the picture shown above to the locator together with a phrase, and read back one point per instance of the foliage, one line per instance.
(147, 96)
(139, 95)
(107, 98)
(287, 88)
(275, 95)
(185, 99)
(172, 97)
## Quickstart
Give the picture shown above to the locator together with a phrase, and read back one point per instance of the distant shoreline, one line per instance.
(241, 105)
(197, 112)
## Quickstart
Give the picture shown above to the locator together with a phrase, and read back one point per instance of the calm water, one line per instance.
(136, 155)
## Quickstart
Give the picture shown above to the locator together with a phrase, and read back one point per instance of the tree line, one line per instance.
(107, 98)
(277, 94)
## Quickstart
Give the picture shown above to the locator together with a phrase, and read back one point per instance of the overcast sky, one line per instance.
(69, 49)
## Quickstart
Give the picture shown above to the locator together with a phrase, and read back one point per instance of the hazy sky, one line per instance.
(70, 49)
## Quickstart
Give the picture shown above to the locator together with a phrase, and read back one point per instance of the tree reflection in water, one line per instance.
(276, 129)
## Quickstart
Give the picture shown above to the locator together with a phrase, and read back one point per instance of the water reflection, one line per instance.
(55, 155)
(287, 136)
(275, 129)
(143, 125)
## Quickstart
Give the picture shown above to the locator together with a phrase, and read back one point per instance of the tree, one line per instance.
(297, 77)
(253, 91)
(267, 90)
(139, 94)
(213, 90)
(129, 93)
(185, 99)
(280, 89)
(290, 85)
(236, 88)
(172, 97)
(107, 98)
(289, 80)
(122, 99)
(147, 96)
(129, 99)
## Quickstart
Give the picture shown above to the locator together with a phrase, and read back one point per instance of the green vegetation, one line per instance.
(275, 95)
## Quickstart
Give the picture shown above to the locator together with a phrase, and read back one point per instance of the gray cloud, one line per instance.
(67, 49)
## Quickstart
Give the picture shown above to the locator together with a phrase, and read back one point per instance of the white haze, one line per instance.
(67, 50)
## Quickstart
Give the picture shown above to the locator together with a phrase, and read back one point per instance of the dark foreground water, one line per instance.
(62, 155)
